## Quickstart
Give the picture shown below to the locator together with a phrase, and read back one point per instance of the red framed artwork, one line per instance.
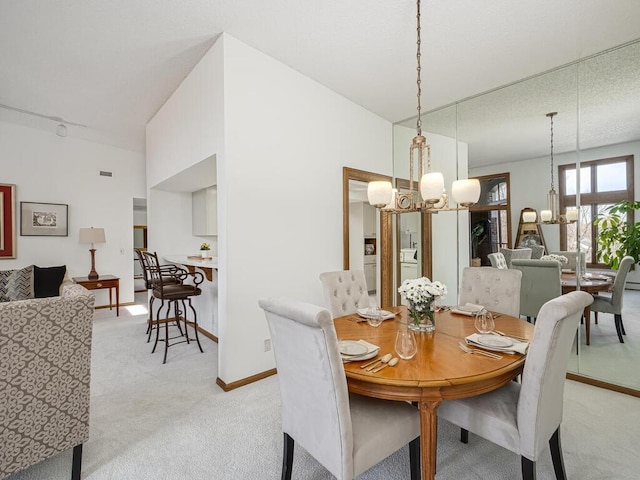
(7, 221)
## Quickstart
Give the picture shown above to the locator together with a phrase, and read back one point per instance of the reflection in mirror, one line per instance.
(507, 131)
(490, 219)
(413, 253)
(366, 234)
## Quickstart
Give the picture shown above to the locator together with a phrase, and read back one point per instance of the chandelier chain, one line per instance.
(418, 69)
(551, 116)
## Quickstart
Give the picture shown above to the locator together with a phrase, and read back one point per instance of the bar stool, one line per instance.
(178, 294)
(169, 275)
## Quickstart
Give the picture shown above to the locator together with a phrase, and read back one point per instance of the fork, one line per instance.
(478, 351)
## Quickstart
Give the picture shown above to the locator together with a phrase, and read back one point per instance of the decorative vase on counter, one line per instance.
(205, 250)
(204, 253)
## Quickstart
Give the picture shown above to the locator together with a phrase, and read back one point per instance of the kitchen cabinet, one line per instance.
(369, 219)
(205, 212)
(370, 272)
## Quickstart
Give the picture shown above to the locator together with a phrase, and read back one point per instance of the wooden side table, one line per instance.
(104, 281)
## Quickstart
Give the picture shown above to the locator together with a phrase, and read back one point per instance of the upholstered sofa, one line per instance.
(45, 359)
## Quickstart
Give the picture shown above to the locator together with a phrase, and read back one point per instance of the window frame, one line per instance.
(594, 198)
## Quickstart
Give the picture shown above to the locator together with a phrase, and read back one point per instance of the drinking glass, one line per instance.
(374, 316)
(484, 322)
(406, 346)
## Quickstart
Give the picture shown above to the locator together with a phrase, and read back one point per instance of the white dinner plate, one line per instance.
(357, 358)
(364, 313)
(352, 348)
(494, 341)
(470, 308)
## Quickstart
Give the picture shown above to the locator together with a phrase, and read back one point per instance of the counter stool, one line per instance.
(178, 294)
(168, 273)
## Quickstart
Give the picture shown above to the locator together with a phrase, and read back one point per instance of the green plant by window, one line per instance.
(616, 236)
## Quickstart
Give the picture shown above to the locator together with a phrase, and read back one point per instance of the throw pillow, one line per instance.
(4, 277)
(47, 280)
(20, 284)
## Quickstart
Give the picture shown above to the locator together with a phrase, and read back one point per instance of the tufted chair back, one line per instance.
(498, 290)
(512, 253)
(345, 291)
(497, 260)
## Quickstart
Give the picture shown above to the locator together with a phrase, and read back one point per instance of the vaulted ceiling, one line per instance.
(110, 65)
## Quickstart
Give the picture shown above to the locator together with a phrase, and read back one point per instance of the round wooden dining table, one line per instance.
(589, 283)
(439, 371)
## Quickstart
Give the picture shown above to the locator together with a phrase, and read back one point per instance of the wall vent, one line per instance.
(106, 174)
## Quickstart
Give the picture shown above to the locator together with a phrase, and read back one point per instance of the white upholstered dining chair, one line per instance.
(523, 417)
(513, 253)
(497, 260)
(498, 290)
(346, 433)
(345, 291)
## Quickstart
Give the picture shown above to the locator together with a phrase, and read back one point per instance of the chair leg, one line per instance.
(150, 326)
(556, 455)
(76, 466)
(596, 318)
(618, 322)
(166, 335)
(464, 435)
(414, 458)
(622, 325)
(155, 344)
(528, 469)
(287, 457)
(186, 325)
(195, 324)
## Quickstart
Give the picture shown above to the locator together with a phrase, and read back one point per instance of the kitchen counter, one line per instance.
(192, 262)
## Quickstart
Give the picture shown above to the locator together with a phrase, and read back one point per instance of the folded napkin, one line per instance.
(469, 309)
(517, 347)
(372, 351)
(363, 312)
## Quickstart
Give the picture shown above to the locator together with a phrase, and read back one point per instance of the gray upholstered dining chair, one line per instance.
(498, 290)
(346, 433)
(613, 303)
(523, 417)
(540, 283)
(345, 291)
(497, 260)
(513, 253)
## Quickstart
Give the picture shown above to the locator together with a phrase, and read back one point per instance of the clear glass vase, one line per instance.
(421, 318)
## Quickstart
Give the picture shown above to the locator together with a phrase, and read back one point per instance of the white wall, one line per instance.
(280, 141)
(51, 169)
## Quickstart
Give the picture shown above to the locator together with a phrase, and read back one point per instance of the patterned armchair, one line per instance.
(45, 360)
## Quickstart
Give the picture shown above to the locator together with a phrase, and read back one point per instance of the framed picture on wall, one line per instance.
(43, 219)
(7, 221)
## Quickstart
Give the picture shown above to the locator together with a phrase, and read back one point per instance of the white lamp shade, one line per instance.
(379, 193)
(529, 217)
(92, 235)
(572, 215)
(392, 203)
(431, 186)
(545, 215)
(466, 192)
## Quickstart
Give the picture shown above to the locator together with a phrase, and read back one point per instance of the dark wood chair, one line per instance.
(174, 291)
(169, 274)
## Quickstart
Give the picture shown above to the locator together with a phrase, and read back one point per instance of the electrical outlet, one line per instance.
(267, 345)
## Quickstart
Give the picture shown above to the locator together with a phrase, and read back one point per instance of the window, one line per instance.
(602, 183)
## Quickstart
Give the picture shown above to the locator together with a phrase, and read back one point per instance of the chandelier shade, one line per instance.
(379, 193)
(466, 192)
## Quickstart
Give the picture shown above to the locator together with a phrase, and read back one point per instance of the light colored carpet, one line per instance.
(151, 421)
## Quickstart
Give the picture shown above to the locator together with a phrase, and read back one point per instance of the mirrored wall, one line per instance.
(506, 131)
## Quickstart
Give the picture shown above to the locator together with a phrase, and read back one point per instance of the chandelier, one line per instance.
(552, 214)
(433, 197)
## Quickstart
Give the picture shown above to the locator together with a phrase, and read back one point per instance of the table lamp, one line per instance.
(92, 235)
